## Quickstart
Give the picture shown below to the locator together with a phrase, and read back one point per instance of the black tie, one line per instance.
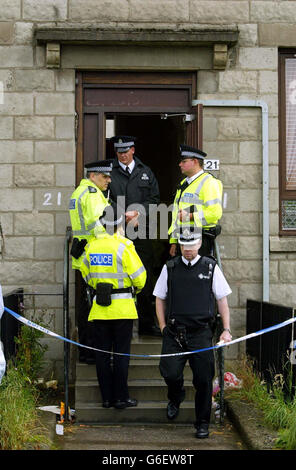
(127, 170)
(184, 186)
(189, 265)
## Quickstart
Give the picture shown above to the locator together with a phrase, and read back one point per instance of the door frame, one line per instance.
(121, 80)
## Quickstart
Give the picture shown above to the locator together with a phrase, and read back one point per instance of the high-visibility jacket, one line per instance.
(86, 206)
(114, 260)
(203, 198)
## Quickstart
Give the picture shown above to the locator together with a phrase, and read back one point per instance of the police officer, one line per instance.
(135, 187)
(185, 293)
(114, 270)
(87, 204)
(198, 199)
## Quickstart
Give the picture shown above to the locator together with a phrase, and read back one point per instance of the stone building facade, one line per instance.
(232, 45)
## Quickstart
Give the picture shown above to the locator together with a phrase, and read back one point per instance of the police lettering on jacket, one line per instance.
(101, 259)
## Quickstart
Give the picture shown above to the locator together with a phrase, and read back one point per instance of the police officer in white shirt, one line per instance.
(185, 301)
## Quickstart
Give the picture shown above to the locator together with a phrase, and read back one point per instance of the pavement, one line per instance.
(241, 430)
(168, 437)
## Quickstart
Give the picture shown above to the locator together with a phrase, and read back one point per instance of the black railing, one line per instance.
(66, 319)
(218, 326)
(271, 352)
(9, 326)
(219, 351)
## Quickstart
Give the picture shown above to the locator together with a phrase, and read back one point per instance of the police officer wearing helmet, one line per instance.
(198, 199)
(185, 293)
(135, 186)
(114, 270)
(87, 204)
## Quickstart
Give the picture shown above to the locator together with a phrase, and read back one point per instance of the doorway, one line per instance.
(150, 106)
(157, 146)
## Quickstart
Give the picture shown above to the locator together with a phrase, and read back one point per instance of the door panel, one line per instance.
(151, 99)
(194, 135)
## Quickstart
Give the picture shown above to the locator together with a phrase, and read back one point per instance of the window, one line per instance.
(287, 142)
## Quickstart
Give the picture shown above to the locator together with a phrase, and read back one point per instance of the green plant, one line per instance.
(19, 424)
(20, 427)
(277, 404)
(30, 352)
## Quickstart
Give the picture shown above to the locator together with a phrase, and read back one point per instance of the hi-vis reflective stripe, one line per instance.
(119, 255)
(127, 295)
(80, 233)
(118, 276)
(212, 202)
(137, 273)
(217, 346)
(190, 198)
(80, 212)
(83, 230)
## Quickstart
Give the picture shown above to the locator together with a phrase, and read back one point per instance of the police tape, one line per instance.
(31, 324)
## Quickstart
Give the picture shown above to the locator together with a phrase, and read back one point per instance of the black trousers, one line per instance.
(112, 370)
(84, 330)
(202, 366)
(145, 297)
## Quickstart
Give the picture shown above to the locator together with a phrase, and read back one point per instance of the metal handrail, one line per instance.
(66, 322)
(220, 351)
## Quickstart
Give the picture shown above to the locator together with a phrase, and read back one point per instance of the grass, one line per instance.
(20, 427)
(278, 409)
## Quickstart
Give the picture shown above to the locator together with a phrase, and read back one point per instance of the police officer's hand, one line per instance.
(173, 249)
(225, 336)
(132, 216)
(183, 216)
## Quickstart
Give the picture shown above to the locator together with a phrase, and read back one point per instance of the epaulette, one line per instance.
(208, 259)
(171, 263)
(91, 189)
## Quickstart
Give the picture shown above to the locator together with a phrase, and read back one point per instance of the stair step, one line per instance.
(144, 346)
(145, 412)
(141, 389)
(138, 369)
(145, 384)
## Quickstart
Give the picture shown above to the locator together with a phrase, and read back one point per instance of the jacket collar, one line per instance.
(138, 163)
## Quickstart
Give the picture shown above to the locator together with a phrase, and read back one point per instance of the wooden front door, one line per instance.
(150, 106)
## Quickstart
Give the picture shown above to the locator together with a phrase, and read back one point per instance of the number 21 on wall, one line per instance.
(49, 201)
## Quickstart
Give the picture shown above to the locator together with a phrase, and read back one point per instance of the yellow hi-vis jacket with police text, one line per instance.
(86, 206)
(113, 259)
(204, 197)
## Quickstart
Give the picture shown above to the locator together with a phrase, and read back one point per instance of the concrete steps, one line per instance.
(145, 384)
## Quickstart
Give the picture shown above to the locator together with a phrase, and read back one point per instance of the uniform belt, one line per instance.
(189, 329)
(123, 290)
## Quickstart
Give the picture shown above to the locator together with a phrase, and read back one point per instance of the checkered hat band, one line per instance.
(124, 144)
(191, 154)
(100, 169)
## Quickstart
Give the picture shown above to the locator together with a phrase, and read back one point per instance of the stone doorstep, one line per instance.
(141, 389)
(147, 412)
(244, 417)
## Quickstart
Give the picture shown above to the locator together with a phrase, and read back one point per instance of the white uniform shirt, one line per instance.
(189, 180)
(220, 286)
(1, 303)
(131, 166)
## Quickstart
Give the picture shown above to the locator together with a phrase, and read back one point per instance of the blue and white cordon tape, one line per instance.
(217, 346)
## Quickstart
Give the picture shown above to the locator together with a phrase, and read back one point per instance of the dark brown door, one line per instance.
(150, 106)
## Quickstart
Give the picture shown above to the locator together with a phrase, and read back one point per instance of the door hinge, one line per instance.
(186, 117)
